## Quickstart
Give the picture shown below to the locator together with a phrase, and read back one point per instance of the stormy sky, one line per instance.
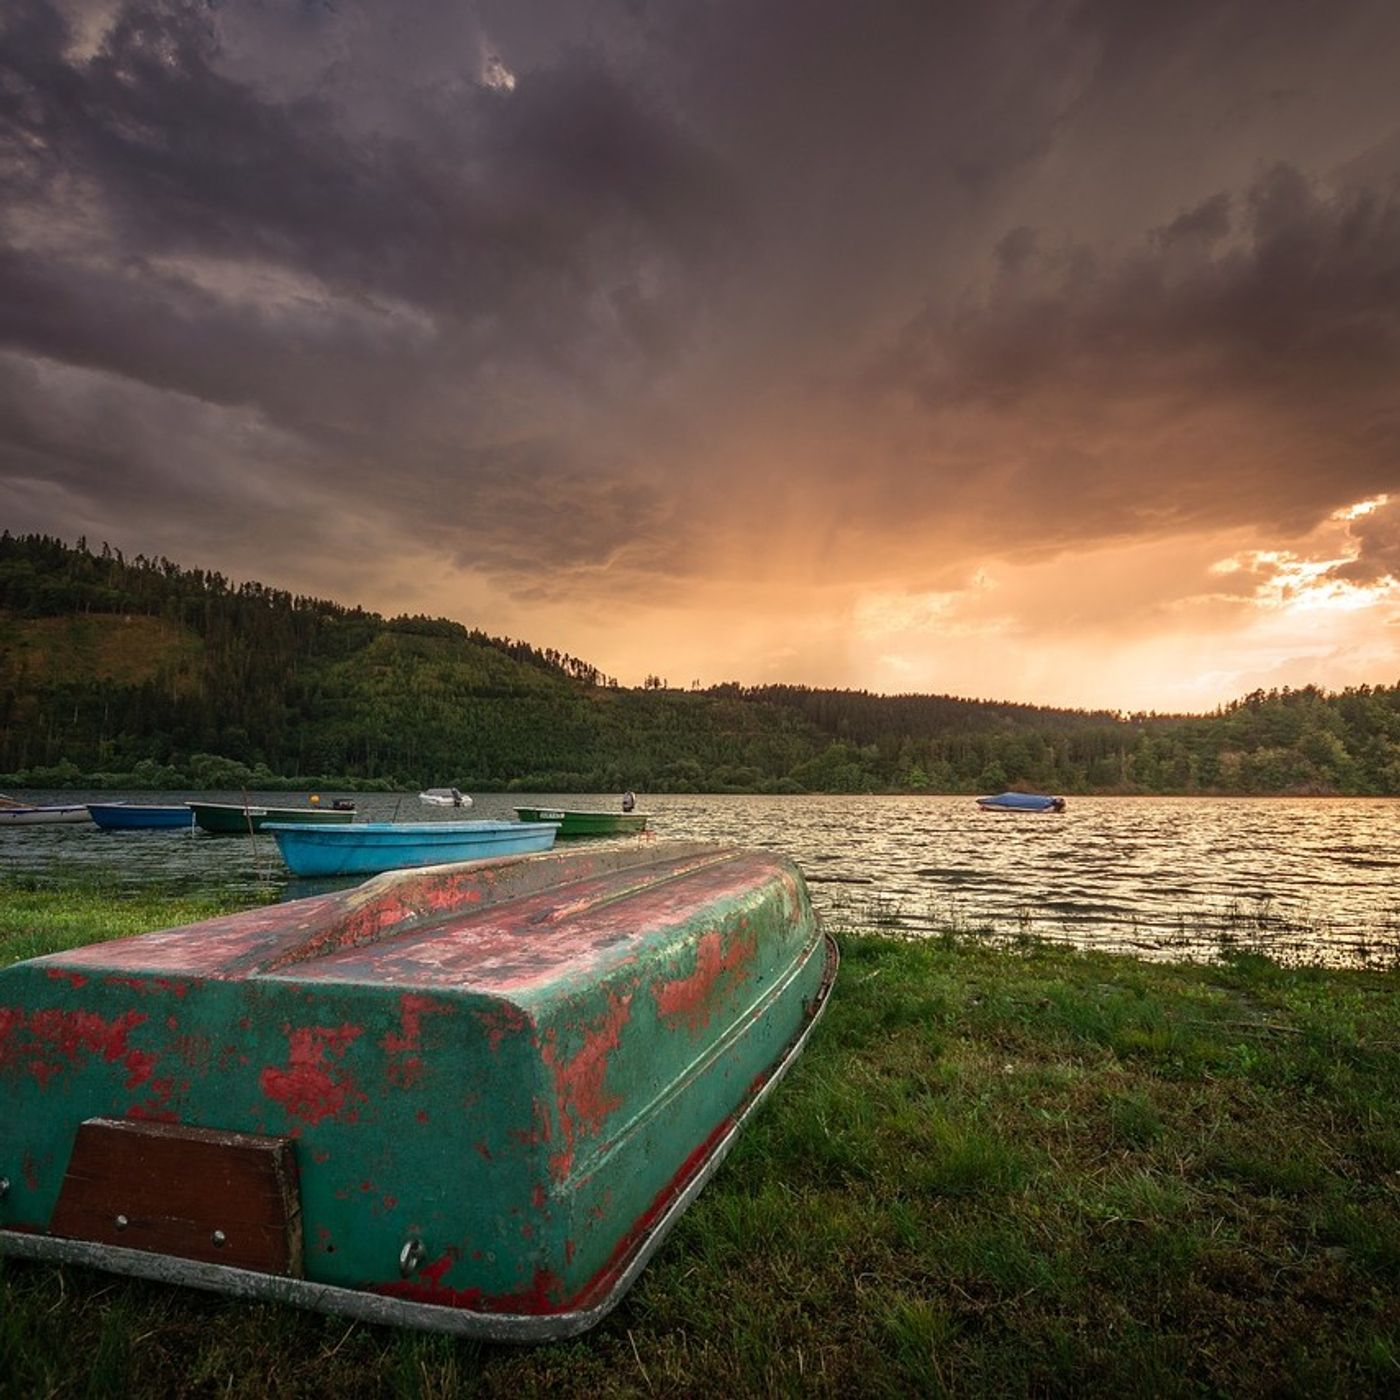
(1036, 349)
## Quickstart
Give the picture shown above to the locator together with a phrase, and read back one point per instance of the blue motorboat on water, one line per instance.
(139, 816)
(1021, 802)
(370, 848)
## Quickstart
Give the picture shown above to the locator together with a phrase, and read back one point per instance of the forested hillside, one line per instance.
(139, 672)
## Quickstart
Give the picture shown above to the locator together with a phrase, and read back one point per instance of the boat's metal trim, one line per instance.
(432, 1317)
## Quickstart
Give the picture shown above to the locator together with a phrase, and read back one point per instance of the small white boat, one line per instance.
(444, 797)
(14, 813)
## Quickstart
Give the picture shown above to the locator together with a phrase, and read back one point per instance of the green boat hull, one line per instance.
(234, 819)
(486, 1089)
(576, 823)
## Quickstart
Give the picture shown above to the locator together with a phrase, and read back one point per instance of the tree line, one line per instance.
(138, 672)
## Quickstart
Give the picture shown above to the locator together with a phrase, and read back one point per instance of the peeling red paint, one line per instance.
(156, 1108)
(544, 1295)
(405, 1067)
(140, 1066)
(63, 974)
(483, 1151)
(412, 1009)
(140, 1113)
(433, 1273)
(538, 1196)
(539, 1130)
(579, 1095)
(194, 1050)
(501, 1020)
(717, 972)
(602, 1282)
(46, 1041)
(405, 1074)
(130, 984)
(307, 1087)
(422, 1116)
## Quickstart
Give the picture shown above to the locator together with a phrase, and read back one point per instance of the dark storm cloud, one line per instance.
(483, 256)
(618, 286)
(1250, 347)
(1377, 539)
(511, 202)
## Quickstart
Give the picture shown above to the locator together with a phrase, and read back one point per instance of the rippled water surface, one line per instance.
(1165, 876)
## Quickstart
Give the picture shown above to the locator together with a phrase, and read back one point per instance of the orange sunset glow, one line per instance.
(1046, 352)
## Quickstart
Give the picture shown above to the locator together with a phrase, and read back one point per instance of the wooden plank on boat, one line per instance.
(195, 1193)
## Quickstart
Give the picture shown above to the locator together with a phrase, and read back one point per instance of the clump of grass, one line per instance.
(997, 1169)
(1134, 1120)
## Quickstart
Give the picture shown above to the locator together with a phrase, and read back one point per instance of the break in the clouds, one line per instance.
(1038, 348)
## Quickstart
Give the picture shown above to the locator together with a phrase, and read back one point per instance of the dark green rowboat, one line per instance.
(576, 823)
(236, 818)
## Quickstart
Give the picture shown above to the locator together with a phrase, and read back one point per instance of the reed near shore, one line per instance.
(997, 1169)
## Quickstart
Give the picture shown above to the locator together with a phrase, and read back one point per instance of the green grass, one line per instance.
(994, 1171)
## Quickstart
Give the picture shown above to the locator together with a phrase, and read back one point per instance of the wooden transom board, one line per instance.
(195, 1193)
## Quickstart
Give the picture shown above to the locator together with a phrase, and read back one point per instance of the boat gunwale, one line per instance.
(479, 826)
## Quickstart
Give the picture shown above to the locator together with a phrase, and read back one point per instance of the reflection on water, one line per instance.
(1158, 876)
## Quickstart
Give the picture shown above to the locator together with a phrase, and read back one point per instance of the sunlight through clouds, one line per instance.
(996, 349)
(1314, 576)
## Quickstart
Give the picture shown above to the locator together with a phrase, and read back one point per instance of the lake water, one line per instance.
(1154, 876)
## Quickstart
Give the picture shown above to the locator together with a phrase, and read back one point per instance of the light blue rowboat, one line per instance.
(368, 848)
(131, 816)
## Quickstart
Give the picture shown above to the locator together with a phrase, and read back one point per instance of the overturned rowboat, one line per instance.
(471, 1098)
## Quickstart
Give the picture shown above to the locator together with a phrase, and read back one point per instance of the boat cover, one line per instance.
(1021, 802)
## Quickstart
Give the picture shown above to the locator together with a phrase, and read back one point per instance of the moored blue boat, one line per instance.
(369, 848)
(132, 816)
(1021, 802)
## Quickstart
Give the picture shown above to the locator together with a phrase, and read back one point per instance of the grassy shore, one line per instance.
(995, 1171)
